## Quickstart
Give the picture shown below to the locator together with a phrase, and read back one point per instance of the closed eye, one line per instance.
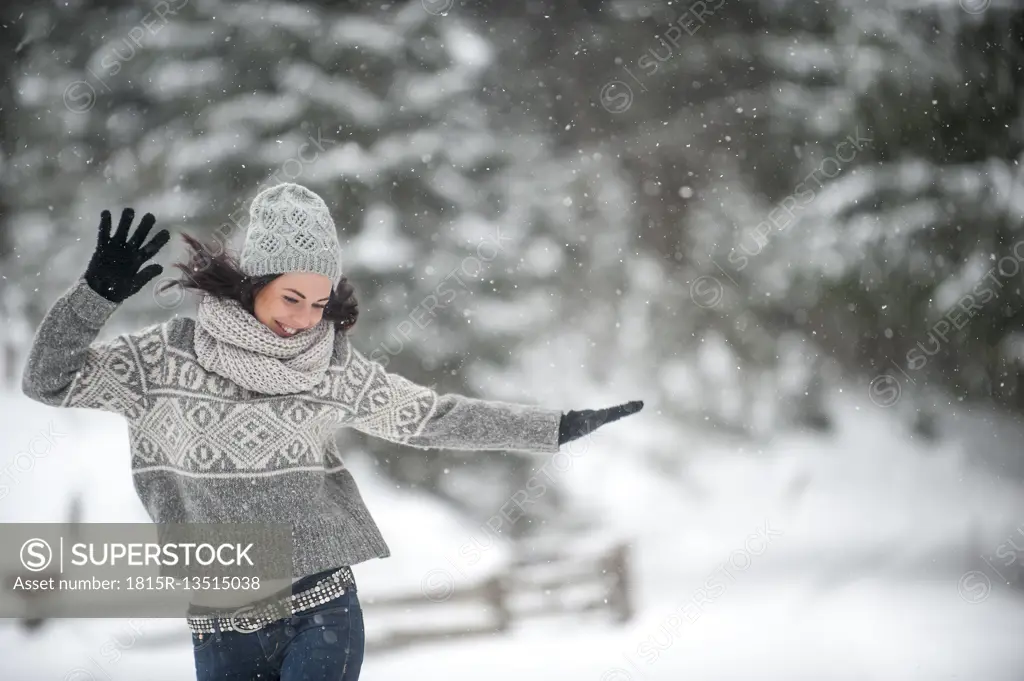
(293, 300)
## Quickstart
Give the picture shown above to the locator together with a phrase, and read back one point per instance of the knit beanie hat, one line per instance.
(291, 230)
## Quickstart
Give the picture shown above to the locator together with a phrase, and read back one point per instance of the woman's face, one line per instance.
(293, 302)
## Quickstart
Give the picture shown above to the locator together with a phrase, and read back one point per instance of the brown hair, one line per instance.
(221, 276)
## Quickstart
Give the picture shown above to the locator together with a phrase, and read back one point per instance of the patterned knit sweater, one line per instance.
(204, 449)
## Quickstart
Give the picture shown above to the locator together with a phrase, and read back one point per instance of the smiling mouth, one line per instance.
(286, 330)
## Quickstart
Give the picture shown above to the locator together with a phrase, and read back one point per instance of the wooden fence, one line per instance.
(558, 579)
(542, 583)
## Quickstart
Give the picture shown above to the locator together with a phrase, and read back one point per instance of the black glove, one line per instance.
(113, 271)
(576, 424)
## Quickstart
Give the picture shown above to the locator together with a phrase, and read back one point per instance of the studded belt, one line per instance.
(253, 617)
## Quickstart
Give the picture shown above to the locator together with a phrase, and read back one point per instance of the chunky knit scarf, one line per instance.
(233, 343)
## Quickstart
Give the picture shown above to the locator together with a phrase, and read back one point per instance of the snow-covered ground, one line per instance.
(852, 557)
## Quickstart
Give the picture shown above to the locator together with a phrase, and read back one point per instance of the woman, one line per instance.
(232, 414)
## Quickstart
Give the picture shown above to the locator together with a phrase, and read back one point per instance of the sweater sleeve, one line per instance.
(67, 368)
(392, 407)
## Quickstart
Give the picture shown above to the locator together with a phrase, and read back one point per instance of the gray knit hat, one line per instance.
(291, 230)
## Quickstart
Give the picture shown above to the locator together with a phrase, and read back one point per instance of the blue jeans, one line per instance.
(323, 643)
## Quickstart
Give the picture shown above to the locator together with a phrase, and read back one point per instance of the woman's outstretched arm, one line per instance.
(392, 407)
(66, 367)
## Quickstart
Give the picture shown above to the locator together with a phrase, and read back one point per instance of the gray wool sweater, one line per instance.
(204, 449)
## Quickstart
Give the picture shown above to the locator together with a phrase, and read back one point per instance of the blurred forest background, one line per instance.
(621, 169)
(794, 229)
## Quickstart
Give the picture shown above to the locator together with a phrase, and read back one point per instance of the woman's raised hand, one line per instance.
(114, 271)
(576, 424)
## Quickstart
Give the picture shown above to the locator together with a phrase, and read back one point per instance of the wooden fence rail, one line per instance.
(551, 581)
(542, 583)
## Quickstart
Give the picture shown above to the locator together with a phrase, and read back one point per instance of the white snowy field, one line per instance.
(839, 558)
